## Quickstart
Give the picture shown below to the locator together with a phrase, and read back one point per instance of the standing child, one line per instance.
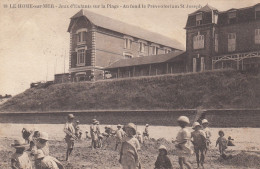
(183, 140)
(163, 161)
(70, 135)
(93, 134)
(20, 159)
(205, 125)
(221, 143)
(119, 136)
(129, 158)
(199, 141)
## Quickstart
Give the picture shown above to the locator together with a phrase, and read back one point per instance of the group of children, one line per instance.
(38, 151)
(127, 139)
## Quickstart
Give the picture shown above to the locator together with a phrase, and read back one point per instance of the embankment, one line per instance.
(207, 90)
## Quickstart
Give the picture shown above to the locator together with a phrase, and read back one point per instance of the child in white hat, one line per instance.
(20, 159)
(163, 161)
(183, 140)
(205, 125)
(199, 141)
(129, 158)
(70, 135)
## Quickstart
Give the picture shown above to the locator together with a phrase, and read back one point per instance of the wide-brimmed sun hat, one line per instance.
(77, 121)
(119, 125)
(97, 122)
(19, 143)
(39, 154)
(162, 147)
(204, 121)
(147, 125)
(94, 121)
(184, 119)
(71, 116)
(195, 124)
(132, 126)
(44, 136)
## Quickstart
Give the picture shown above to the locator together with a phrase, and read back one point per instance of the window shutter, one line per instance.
(194, 64)
(84, 36)
(73, 59)
(202, 65)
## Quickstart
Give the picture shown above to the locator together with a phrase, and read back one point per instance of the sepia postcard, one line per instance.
(110, 84)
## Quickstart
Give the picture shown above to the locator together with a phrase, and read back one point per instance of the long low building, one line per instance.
(149, 65)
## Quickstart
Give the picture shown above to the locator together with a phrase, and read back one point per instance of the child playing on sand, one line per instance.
(163, 161)
(230, 141)
(199, 141)
(129, 158)
(20, 159)
(221, 143)
(205, 125)
(183, 146)
(47, 162)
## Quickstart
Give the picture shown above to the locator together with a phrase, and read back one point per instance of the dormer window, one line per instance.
(128, 42)
(128, 55)
(257, 12)
(167, 50)
(82, 35)
(142, 45)
(155, 49)
(198, 19)
(232, 17)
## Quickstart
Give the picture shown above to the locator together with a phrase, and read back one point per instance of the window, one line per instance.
(232, 17)
(154, 50)
(166, 50)
(128, 55)
(257, 36)
(82, 36)
(257, 12)
(231, 42)
(216, 42)
(128, 43)
(199, 19)
(81, 57)
(142, 47)
(198, 42)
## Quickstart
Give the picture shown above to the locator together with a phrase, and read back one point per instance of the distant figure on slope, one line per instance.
(163, 161)
(199, 141)
(70, 135)
(129, 158)
(183, 140)
(205, 125)
(20, 159)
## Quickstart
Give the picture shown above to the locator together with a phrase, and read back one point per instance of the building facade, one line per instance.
(97, 41)
(218, 40)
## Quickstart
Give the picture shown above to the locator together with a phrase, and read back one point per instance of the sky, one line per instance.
(34, 42)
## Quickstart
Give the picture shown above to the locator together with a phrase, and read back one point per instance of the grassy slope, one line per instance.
(221, 89)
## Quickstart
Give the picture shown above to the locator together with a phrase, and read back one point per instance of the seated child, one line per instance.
(230, 142)
(222, 142)
(163, 161)
(200, 143)
(20, 159)
(47, 162)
